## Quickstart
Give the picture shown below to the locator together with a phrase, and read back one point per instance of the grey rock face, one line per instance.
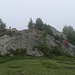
(27, 39)
(56, 32)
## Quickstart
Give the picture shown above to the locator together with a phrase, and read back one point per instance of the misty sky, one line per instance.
(57, 13)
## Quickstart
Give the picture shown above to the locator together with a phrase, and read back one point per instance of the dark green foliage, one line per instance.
(58, 38)
(56, 50)
(43, 45)
(68, 29)
(39, 24)
(18, 51)
(70, 33)
(3, 33)
(43, 37)
(2, 28)
(71, 37)
(47, 28)
(53, 51)
(30, 24)
(44, 48)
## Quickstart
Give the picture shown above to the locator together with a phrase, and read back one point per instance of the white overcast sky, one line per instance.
(16, 13)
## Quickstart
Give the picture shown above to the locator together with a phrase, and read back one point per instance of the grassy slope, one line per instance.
(26, 65)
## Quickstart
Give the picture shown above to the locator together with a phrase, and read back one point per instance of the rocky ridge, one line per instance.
(27, 39)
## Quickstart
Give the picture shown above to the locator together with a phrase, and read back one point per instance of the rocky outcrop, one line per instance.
(27, 39)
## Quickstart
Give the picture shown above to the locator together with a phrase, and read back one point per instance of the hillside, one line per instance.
(38, 50)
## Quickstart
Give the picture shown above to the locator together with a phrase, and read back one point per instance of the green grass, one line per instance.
(27, 65)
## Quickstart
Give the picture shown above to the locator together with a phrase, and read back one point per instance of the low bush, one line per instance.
(56, 50)
(18, 51)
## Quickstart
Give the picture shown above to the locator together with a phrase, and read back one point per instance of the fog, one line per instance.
(57, 13)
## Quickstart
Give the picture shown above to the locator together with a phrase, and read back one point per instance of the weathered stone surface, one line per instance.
(56, 32)
(21, 40)
(27, 39)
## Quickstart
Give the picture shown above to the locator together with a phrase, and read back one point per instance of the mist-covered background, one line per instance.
(16, 13)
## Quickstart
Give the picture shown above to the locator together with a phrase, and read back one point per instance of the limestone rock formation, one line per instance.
(27, 39)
